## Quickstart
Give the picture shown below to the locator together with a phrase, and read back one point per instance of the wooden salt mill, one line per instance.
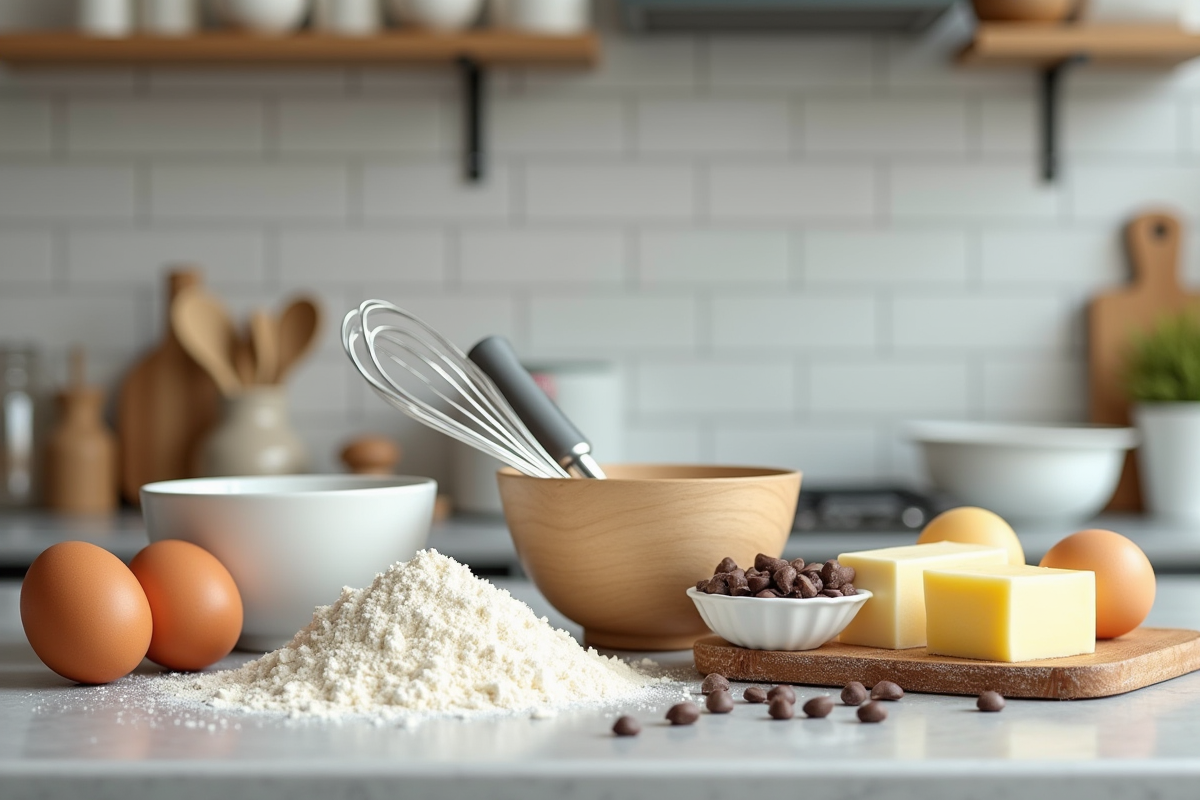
(82, 451)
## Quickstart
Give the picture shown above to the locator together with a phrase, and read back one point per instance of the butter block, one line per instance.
(894, 618)
(1010, 612)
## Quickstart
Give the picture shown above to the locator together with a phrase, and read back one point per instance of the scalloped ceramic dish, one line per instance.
(780, 623)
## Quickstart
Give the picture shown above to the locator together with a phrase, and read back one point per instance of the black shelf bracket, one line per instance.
(474, 85)
(1052, 78)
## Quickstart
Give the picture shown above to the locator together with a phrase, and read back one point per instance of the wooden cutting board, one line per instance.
(166, 403)
(1141, 658)
(1153, 241)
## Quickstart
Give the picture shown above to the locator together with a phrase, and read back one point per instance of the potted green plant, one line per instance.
(1163, 382)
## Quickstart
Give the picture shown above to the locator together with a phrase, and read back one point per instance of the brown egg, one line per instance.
(970, 525)
(1125, 582)
(196, 606)
(84, 613)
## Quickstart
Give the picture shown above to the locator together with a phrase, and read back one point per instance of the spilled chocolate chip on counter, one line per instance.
(683, 713)
(755, 694)
(990, 701)
(720, 702)
(627, 726)
(886, 690)
(854, 693)
(714, 683)
(780, 708)
(784, 691)
(872, 712)
(819, 707)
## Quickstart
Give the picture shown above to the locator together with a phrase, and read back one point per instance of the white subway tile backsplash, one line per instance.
(885, 257)
(359, 125)
(777, 191)
(462, 318)
(1091, 257)
(635, 64)
(716, 387)
(248, 192)
(59, 321)
(719, 256)
(171, 82)
(1009, 125)
(1125, 126)
(1035, 389)
(137, 256)
(537, 127)
(25, 126)
(801, 322)
(608, 325)
(1114, 193)
(66, 191)
(26, 258)
(139, 127)
(825, 453)
(972, 192)
(538, 256)
(364, 257)
(885, 126)
(423, 191)
(611, 191)
(660, 443)
(890, 388)
(756, 63)
(713, 125)
(961, 322)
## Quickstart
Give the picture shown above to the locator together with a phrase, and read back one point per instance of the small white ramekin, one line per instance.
(777, 623)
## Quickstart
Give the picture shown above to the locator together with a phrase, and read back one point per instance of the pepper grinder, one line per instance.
(82, 451)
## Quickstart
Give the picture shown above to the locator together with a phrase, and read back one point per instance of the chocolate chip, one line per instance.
(757, 583)
(717, 585)
(990, 701)
(714, 683)
(755, 695)
(702, 586)
(854, 693)
(813, 567)
(784, 691)
(780, 708)
(738, 585)
(848, 590)
(886, 690)
(831, 592)
(739, 591)
(683, 713)
(797, 564)
(627, 726)
(727, 565)
(819, 707)
(831, 575)
(872, 712)
(719, 702)
(785, 578)
(768, 594)
(805, 586)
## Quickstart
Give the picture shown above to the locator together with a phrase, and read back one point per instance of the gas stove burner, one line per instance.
(880, 509)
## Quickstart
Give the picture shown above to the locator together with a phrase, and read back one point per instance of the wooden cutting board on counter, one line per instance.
(1153, 242)
(1140, 658)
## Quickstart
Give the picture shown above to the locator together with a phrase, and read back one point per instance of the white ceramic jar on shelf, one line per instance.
(347, 17)
(1167, 12)
(169, 17)
(106, 18)
(551, 17)
(441, 15)
(271, 17)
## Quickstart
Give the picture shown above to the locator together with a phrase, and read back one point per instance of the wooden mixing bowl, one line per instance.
(618, 555)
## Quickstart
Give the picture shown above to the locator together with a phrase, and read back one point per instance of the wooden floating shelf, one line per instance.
(485, 48)
(1046, 45)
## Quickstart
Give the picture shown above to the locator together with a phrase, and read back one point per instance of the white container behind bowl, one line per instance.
(1024, 473)
(1169, 458)
(348, 17)
(1146, 12)
(292, 542)
(553, 17)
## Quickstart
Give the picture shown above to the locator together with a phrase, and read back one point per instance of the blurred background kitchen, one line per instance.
(785, 245)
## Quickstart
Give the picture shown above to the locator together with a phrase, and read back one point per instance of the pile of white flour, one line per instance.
(425, 637)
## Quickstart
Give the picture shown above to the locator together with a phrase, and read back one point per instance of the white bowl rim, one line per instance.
(1082, 435)
(859, 596)
(336, 484)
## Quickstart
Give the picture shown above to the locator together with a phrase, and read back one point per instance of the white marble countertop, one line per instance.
(60, 740)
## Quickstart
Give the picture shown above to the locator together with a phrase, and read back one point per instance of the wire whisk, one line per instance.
(403, 358)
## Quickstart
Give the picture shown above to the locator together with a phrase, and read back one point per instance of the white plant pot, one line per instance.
(1169, 458)
(440, 15)
(272, 17)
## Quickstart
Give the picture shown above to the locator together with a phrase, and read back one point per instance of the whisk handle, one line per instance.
(545, 420)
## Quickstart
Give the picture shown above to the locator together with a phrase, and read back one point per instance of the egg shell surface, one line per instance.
(971, 525)
(84, 613)
(1125, 582)
(194, 601)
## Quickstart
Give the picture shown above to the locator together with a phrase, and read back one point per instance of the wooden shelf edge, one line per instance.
(1028, 44)
(235, 49)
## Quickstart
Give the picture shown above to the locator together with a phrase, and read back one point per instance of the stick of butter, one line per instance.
(894, 618)
(1010, 612)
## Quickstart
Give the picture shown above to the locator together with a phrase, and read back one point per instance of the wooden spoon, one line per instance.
(204, 329)
(243, 360)
(264, 342)
(298, 328)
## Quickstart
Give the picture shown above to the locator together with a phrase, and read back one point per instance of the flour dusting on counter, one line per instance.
(426, 637)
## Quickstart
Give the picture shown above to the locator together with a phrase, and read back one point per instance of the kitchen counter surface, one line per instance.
(59, 740)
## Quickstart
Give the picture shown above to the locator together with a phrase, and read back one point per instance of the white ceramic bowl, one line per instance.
(777, 623)
(438, 15)
(291, 542)
(1026, 473)
(270, 17)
